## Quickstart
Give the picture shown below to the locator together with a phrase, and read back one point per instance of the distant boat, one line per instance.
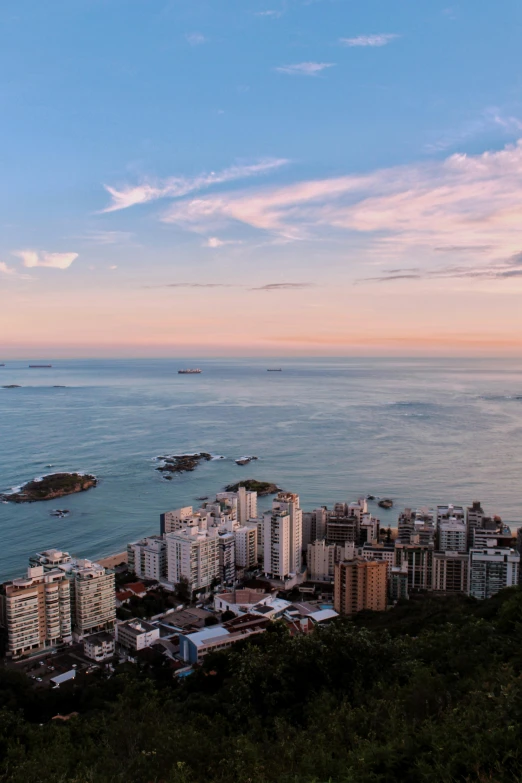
(274, 369)
(189, 372)
(40, 366)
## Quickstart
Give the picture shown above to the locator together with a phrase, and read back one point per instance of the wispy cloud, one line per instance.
(304, 69)
(267, 287)
(270, 13)
(507, 268)
(461, 201)
(7, 270)
(34, 258)
(215, 242)
(381, 39)
(107, 237)
(196, 39)
(491, 118)
(175, 187)
(282, 286)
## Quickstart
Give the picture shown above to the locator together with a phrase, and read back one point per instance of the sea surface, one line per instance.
(419, 431)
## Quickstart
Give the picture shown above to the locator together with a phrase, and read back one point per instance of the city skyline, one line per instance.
(258, 178)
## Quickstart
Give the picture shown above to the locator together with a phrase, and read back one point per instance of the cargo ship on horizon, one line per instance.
(189, 372)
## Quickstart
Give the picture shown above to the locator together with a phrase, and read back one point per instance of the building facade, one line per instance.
(492, 569)
(192, 556)
(36, 611)
(360, 585)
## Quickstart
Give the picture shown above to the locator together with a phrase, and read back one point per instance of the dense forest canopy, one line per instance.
(429, 691)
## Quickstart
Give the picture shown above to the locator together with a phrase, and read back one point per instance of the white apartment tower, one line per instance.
(192, 555)
(492, 569)
(148, 558)
(289, 501)
(453, 536)
(277, 544)
(171, 521)
(246, 505)
(246, 545)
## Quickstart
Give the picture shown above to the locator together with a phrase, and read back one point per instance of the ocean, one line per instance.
(420, 431)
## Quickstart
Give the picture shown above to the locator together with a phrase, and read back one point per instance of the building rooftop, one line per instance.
(201, 637)
(137, 626)
(322, 615)
(101, 636)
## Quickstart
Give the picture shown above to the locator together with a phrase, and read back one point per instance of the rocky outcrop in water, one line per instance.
(181, 463)
(56, 485)
(252, 485)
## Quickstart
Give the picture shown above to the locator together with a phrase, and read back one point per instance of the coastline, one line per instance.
(113, 560)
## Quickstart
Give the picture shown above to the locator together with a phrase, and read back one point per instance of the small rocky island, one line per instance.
(12, 386)
(181, 463)
(385, 503)
(252, 485)
(56, 485)
(244, 460)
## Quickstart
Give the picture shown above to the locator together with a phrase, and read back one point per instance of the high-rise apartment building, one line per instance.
(277, 544)
(227, 557)
(171, 521)
(492, 569)
(320, 561)
(314, 526)
(148, 558)
(453, 536)
(93, 596)
(360, 585)
(192, 556)
(474, 518)
(419, 559)
(246, 505)
(289, 502)
(36, 611)
(450, 572)
(246, 545)
(93, 590)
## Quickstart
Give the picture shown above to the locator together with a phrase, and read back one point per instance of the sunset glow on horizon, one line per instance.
(317, 197)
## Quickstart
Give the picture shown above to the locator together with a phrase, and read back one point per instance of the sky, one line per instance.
(260, 177)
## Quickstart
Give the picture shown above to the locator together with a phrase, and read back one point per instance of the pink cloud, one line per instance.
(463, 200)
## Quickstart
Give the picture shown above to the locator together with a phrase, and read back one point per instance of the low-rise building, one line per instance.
(241, 601)
(136, 634)
(99, 646)
(195, 646)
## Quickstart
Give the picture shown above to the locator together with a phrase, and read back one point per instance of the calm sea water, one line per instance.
(420, 431)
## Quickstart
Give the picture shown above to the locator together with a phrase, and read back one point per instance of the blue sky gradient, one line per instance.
(216, 108)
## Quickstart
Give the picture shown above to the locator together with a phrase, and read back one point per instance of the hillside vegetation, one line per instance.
(430, 691)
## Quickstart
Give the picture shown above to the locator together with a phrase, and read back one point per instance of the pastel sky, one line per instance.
(242, 177)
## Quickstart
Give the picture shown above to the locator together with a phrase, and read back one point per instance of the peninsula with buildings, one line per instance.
(56, 485)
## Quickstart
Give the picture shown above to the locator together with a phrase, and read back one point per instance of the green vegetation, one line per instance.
(57, 485)
(252, 485)
(428, 692)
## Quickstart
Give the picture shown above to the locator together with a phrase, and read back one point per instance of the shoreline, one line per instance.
(112, 560)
